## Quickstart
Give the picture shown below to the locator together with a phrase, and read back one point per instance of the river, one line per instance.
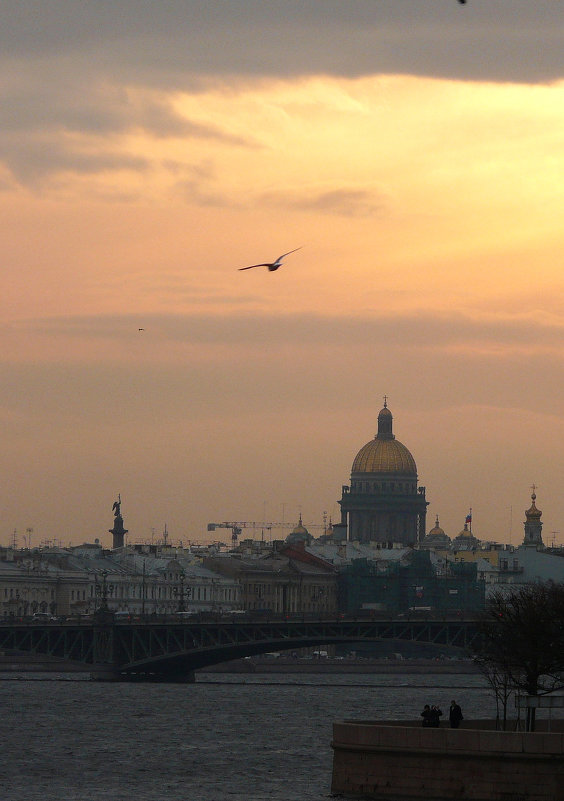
(228, 737)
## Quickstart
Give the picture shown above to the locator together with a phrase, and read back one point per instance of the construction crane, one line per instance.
(236, 528)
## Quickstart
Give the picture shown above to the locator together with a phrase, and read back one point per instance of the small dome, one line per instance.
(532, 511)
(436, 538)
(465, 541)
(436, 529)
(299, 534)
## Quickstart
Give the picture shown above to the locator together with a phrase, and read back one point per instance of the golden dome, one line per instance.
(384, 454)
(300, 528)
(436, 538)
(299, 534)
(532, 511)
(436, 530)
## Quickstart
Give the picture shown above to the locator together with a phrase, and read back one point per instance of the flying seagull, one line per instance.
(272, 265)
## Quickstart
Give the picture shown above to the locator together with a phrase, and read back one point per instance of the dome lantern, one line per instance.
(385, 419)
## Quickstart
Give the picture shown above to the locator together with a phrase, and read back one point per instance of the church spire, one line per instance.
(533, 524)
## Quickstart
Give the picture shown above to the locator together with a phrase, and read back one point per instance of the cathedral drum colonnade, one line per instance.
(383, 503)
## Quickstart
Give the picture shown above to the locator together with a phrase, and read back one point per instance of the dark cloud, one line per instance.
(166, 43)
(75, 68)
(419, 331)
(37, 125)
(344, 202)
(33, 160)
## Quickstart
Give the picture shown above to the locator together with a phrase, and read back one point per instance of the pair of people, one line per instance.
(431, 716)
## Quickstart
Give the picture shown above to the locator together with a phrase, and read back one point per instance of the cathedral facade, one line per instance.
(383, 503)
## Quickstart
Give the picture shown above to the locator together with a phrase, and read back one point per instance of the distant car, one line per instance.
(42, 617)
(123, 615)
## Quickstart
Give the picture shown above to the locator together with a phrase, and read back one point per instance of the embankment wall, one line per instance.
(402, 760)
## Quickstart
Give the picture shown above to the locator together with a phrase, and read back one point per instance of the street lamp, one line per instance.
(179, 593)
(102, 592)
(143, 591)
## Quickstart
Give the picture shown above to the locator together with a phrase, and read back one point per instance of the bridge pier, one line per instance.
(105, 674)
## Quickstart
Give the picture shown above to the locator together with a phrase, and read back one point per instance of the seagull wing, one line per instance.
(287, 254)
(250, 267)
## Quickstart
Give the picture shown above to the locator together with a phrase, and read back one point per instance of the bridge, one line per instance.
(171, 650)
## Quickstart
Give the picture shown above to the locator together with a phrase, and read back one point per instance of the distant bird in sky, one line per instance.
(141, 329)
(272, 265)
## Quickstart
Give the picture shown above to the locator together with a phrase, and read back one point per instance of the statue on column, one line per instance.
(118, 531)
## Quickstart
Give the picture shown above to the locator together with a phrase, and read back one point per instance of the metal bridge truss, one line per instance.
(172, 648)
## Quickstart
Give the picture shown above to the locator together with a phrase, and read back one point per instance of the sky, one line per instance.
(412, 149)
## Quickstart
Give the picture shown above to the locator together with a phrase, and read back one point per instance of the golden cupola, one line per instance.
(384, 453)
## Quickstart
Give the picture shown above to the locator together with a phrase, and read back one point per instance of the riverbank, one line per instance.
(359, 666)
(27, 663)
(22, 663)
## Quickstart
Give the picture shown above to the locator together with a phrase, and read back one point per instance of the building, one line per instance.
(415, 582)
(287, 580)
(77, 581)
(533, 525)
(383, 502)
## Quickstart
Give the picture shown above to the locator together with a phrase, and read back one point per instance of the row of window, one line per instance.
(160, 591)
(33, 593)
(226, 594)
(264, 590)
(377, 487)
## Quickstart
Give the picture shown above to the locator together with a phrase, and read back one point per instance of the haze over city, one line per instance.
(412, 150)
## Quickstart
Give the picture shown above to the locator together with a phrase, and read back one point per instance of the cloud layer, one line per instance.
(413, 150)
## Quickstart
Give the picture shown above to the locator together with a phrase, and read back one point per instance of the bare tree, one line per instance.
(521, 642)
(501, 688)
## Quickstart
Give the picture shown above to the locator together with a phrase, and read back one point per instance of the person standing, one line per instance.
(427, 716)
(455, 715)
(436, 713)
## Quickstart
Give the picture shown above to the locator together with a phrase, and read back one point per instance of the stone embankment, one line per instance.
(21, 663)
(393, 759)
(287, 665)
(28, 663)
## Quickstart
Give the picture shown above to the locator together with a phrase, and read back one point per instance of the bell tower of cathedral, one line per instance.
(533, 525)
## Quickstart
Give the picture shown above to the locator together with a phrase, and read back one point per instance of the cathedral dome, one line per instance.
(299, 534)
(436, 538)
(465, 541)
(384, 454)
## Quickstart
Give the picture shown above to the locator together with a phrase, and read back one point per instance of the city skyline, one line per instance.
(411, 151)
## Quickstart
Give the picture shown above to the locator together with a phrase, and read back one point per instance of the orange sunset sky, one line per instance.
(413, 150)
